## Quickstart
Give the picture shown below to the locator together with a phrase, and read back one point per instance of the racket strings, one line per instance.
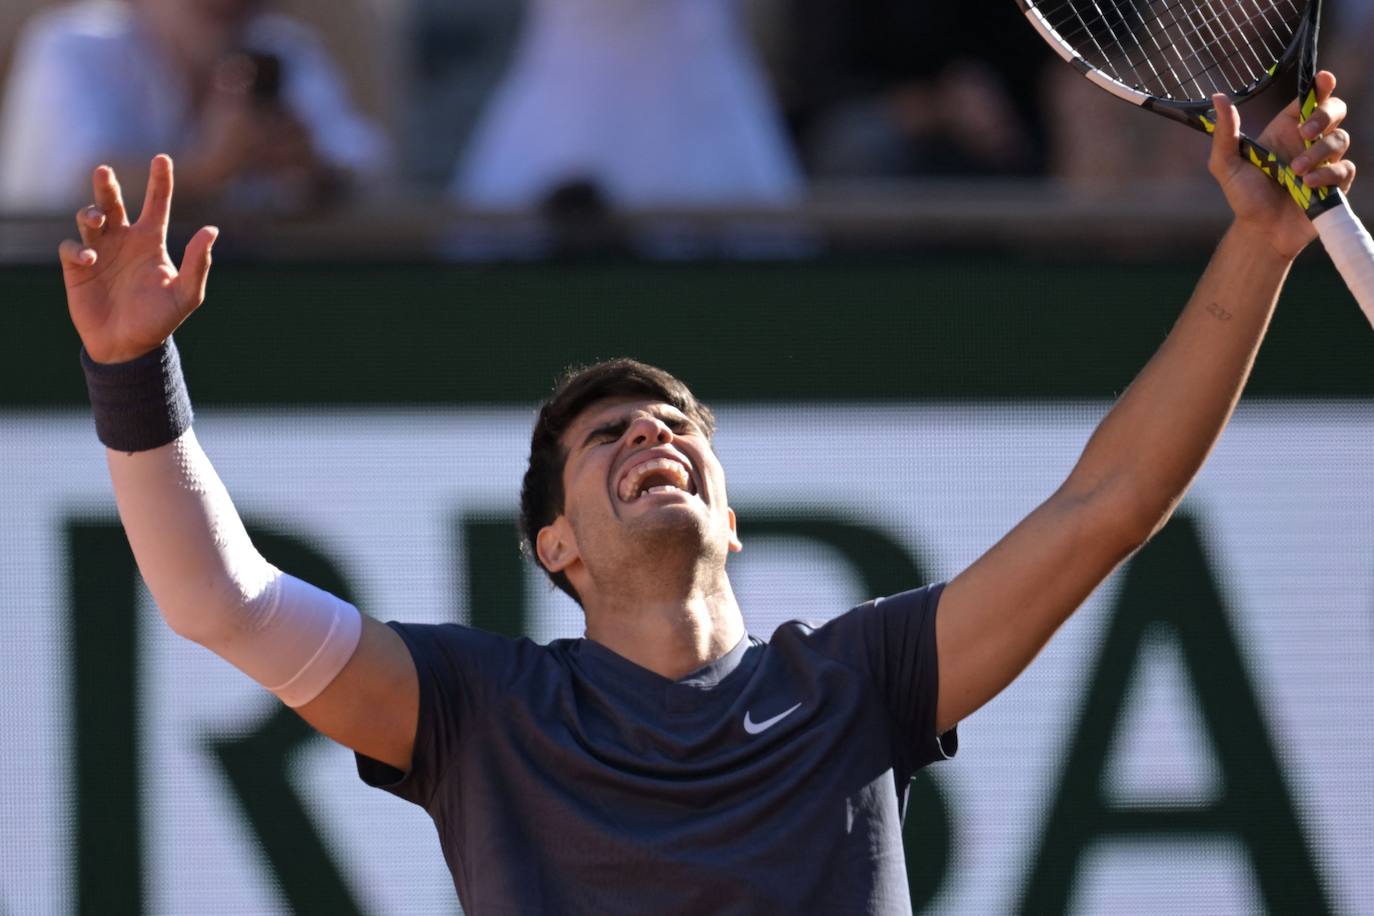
(1227, 71)
(1200, 52)
(1180, 49)
(1145, 56)
(1165, 21)
(1235, 70)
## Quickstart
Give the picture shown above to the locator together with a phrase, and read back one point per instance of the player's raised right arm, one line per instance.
(349, 676)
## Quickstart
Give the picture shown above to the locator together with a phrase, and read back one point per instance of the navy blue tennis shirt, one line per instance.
(567, 779)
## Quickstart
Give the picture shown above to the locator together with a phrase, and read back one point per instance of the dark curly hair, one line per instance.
(541, 493)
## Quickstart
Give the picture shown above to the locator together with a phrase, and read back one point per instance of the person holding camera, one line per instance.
(249, 100)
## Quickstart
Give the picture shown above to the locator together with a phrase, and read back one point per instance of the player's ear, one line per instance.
(555, 545)
(735, 545)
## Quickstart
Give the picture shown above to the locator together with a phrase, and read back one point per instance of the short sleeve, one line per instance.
(458, 669)
(896, 644)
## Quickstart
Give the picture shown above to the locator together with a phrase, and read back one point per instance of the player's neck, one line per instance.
(672, 637)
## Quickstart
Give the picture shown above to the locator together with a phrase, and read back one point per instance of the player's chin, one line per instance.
(684, 513)
(679, 516)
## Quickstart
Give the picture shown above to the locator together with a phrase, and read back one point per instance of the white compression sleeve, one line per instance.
(211, 584)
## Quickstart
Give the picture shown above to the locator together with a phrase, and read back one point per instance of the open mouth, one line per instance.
(657, 475)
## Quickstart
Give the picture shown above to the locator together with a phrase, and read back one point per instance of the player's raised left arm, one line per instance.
(996, 615)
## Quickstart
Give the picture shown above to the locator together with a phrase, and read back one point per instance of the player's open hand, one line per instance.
(1259, 200)
(123, 291)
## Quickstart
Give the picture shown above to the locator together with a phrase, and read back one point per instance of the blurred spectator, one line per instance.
(13, 15)
(248, 103)
(897, 88)
(457, 53)
(656, 102)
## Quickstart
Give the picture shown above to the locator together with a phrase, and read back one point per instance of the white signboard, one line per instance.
(1283, 518)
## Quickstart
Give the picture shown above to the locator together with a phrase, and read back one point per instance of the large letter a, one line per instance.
(1169, 585)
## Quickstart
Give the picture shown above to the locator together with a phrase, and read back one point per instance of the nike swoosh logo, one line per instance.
(754, 728)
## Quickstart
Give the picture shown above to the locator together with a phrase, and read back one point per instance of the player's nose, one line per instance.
(649, 430)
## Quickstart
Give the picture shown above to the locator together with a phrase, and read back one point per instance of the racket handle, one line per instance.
(1351, 250)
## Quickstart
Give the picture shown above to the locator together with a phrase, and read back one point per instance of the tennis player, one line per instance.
(667, 762)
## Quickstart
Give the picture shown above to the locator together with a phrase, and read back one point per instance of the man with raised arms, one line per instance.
(667, 762)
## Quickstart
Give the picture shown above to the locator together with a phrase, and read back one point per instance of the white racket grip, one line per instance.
(1351, 250)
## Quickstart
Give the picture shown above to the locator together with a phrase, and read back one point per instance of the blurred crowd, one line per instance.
(288, 106)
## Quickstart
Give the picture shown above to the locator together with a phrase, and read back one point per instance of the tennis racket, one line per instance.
(1171, 56)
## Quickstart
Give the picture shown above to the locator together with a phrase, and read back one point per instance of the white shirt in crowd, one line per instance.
(660, 102)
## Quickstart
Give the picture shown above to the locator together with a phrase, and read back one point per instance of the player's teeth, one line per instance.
(629, 486)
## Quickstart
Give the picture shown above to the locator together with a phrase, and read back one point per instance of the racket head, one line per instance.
(1171, 55)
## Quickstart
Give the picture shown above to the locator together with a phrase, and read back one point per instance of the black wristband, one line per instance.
(141, 404)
